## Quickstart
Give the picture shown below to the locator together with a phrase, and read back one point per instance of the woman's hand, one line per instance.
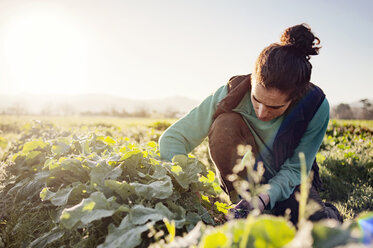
(243, 208)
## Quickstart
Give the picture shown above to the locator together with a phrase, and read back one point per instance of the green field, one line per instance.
(99, 181)
(68, 121)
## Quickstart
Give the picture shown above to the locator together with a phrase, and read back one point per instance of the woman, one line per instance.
(276, 110)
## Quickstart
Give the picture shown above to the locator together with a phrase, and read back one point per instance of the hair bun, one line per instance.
(301, 39)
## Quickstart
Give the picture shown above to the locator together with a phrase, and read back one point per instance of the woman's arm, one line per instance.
(188, 132)
(285, 181)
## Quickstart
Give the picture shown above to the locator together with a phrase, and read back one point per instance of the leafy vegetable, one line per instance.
(103, 186)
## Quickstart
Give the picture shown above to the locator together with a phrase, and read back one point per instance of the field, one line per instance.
(99, 182)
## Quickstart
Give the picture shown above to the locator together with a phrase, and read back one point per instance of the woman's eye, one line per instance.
(275, 107)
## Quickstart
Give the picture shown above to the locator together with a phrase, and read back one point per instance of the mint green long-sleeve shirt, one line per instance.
(189, 131)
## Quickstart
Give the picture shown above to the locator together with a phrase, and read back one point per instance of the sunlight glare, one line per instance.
(45, 53)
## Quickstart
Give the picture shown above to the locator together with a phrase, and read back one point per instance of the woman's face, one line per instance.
(268, 103)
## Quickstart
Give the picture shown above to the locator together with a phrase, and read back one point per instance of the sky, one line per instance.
(155, 49)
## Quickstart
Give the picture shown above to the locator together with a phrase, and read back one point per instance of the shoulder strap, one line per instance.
(238, 86)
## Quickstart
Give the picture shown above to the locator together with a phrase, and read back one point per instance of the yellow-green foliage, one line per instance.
(95, 186)
(99, 182)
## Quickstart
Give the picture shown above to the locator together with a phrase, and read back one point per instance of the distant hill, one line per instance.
(35, 104)
(97, 103)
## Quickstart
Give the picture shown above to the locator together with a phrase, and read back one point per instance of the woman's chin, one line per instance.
(265, 119)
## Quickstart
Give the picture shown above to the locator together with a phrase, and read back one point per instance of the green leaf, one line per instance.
(238, 230)
(67, 171)
(180, 159)
(210, 178)
(113, 160)
(126, 235)
(222, 207)
(133, 163)
(152, 144)
(161, 189)
(103, 172)
(61, 197)
(123, 189)
(28, 187)
(159, 173)
(90, 209)
(191, 220)
(61, 146)
(25, 161)
(97, 144)
(140, 215)
(206, 217)
(270, 231)
(328, 236)
(205, 198)
(132, 157)
(34, 145)
(176, 169)
(189, 173)
(215, 239)
(109, 140)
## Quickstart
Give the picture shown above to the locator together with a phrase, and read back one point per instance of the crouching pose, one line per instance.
(276, 110)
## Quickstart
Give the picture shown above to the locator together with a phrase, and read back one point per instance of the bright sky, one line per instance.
(153, 49)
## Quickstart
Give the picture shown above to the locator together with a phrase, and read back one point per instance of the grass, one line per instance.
(362, 123)
(68, 121)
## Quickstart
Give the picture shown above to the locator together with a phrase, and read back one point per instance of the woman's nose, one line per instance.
(261, 111)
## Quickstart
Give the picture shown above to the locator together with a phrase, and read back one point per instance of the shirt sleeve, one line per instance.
(189, 131)
(284, 182)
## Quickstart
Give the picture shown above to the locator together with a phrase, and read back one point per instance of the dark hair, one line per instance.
(285, 65)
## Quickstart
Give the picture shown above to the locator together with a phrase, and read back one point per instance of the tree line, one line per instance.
(346, 111)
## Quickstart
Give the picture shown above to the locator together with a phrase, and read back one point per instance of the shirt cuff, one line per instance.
(273, 193)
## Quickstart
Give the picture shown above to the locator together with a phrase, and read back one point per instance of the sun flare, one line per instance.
(45, 52)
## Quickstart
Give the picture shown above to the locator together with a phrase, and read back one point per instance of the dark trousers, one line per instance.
(227, 132)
